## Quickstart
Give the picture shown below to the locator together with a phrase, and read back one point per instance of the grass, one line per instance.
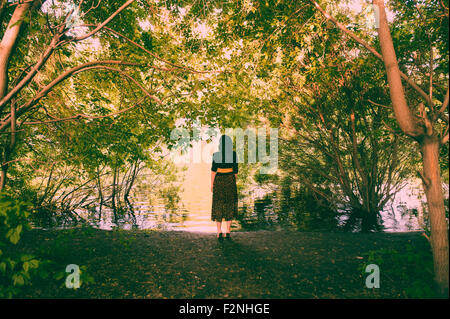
(259, 264)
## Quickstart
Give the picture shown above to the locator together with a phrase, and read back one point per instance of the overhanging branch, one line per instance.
(372, 50)
(85, 116)
(27, 106)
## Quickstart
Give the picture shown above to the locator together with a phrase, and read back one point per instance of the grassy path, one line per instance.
(262, 264)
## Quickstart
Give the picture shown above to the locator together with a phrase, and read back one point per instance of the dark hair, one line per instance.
(226, 148)
(226, 141)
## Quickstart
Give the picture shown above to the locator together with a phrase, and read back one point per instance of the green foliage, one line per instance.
(310, 213)
(127, 239)
(413, 268)
(19, 270)
(16, 269)
(342, 150)
(85, 277)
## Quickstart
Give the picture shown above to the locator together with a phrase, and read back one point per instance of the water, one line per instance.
(190, 210)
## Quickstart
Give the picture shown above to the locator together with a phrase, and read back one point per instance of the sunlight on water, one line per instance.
(193, 211)
(196, 195)
(191, 208)
(196, 198)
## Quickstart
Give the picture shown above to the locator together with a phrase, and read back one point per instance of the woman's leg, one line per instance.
(228, 223)
(219, 228)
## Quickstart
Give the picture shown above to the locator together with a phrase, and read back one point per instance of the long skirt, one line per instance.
(225, 201)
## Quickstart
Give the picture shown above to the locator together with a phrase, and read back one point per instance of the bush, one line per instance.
(413, 268)
(16, 270)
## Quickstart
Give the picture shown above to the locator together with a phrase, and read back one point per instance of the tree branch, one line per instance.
(8, 42)
(377, 104)
(445, 136)
(22, 159)
(372, 50)
(444, 103)
(403, 113)
(426, 181)
(430, 42)
(102, 67)
(25, 107)
(48, 52)
(151, 53)
(30, 75)
(426, 120)
(355, 151)
(101, 25)
(89, 117)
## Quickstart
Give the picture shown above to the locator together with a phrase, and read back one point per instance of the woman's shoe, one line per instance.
(220, 238)
(227, 236)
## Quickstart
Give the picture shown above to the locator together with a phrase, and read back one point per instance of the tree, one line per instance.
(41, 51)
(424, 128)
(271, 26)
(338, 144)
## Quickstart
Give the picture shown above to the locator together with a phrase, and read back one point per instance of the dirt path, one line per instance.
(261, 264)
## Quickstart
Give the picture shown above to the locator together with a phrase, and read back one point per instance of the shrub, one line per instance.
(17, 270)
(413, 268)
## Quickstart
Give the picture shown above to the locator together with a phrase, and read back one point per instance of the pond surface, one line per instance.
(257, 209)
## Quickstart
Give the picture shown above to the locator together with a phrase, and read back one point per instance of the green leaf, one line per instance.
(59, 275)
(34, 263)
(3, 267)
(43, 274)
(26, 257)
(12, 263)
(18, 280)
(15, 235)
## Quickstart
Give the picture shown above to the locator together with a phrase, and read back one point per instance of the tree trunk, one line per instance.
(7, 44)
(8, 41)
(3, 176)
(430, 152)
(3, 5)
(439, 230)
(100, 194)
(8, 148)
(113, 195)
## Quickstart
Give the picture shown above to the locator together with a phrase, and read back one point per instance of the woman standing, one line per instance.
(223, 185)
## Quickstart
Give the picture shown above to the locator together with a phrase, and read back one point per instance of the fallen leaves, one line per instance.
(291, 265)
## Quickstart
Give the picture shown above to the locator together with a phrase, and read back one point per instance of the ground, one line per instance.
(259, 264)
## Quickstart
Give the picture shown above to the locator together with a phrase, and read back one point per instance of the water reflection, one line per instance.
(188, 207)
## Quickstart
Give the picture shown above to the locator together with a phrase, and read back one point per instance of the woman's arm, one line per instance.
(213, 174)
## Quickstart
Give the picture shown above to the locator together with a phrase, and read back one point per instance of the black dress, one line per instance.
(224, 202)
